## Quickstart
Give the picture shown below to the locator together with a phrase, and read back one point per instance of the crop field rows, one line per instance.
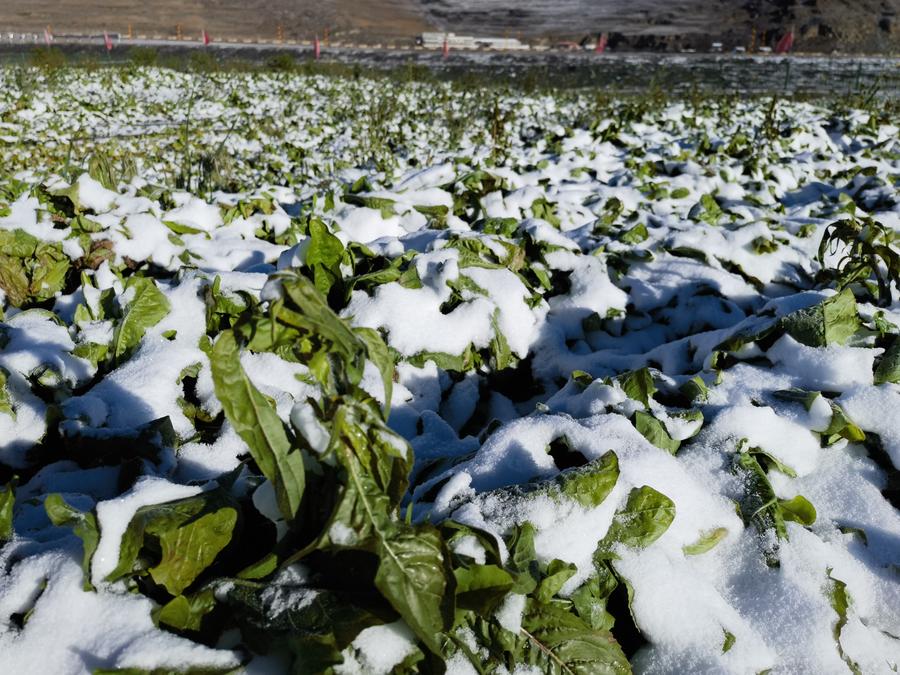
(311, 374)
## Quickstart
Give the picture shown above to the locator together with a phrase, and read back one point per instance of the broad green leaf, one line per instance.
(383, 204)
(411, 576)
(638, 385)
(189, 532)
(186, 612)
(522, 558)
(654, 431)
(324, 255)
(591, 484)
(589, 599)
(261, 568)
(798, 510)
(833, 321)
(842, 427)
(453, 531)
(695, 389)
(7, 501)
(706, 542)
(763, 245)
(84, 525)
(583, 379)
(541, 208)
(147, 308)
(645, 517)
(258, 424)
(769, 461)
(377, 464)
(449, 362)
(888, 369)
(707, 210)
(481, 587)
(635, 235)
(346, 351)
(179, 228)
(856, 532)
(30, 270)
(557, 574)
(807, 398)
(563, 644)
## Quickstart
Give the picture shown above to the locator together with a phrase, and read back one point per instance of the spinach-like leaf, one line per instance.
(84, 525)
(888, 369)
(7, 501)
(635, 235)
(591, 484)
(186, 612)
(324, 256)
(558, 572)
(258, 424)
(832, 321)
(798, 510)
(411, 576)
(189, 533)
(638, 385)
(563, 644)
(654, 431)
(30, 270)
(645, 517)
(147, 308)
(481, 587)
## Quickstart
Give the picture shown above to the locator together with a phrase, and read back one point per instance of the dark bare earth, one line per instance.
(660, 25)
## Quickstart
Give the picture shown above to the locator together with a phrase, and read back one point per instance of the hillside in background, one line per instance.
(821, 25)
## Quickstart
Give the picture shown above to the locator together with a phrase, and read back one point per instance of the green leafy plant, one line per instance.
(867, 252)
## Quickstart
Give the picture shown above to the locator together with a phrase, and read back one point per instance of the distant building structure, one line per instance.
(435, 40)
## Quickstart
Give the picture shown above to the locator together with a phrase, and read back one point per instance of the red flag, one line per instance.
(446, 51)
(317, 48)
(206, 38)
(107, 41)
(785, 44)
(601, 43)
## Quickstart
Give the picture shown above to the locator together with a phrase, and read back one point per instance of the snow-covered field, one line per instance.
(307, 375)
